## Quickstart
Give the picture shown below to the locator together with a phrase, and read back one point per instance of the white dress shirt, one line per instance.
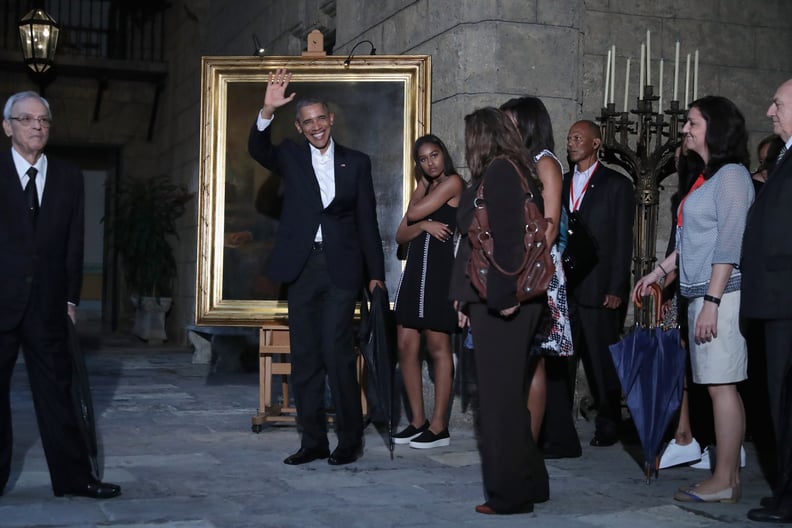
(580, 181)
(323, 166)
(22, 166)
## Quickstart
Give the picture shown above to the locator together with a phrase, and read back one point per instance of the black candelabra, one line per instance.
(642, 142)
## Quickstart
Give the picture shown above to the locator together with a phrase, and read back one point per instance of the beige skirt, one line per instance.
(725, 358)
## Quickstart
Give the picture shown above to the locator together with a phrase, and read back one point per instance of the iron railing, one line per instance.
(131, 30)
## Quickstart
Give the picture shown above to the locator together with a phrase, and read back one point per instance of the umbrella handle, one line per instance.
(657, 292)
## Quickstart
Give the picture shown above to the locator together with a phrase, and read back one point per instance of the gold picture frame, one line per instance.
(382, 105)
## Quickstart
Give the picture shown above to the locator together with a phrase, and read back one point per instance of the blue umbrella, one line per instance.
(650, 363)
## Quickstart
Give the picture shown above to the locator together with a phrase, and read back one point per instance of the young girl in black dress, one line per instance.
(422, 302)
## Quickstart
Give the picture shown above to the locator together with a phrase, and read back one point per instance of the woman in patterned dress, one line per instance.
(533, 122)
(422, 302)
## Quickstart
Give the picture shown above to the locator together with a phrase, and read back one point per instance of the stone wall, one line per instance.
(483, 52)
(739, 45)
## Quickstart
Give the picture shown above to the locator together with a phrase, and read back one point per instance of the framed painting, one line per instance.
(381, 106)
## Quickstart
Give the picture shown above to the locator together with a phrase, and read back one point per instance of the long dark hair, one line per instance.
(727, 137)
(448, 163)
(490, 134)
(689, 166)
(533, 122)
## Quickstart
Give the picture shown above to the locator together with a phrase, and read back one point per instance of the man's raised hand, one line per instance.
(275, 95)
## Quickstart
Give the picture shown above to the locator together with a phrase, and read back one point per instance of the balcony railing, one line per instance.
(131, 30)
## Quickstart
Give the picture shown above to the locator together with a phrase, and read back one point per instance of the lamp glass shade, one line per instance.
(38, 34)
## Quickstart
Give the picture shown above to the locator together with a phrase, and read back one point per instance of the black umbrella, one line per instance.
(650, 363)
(379, 348)
(82, 401)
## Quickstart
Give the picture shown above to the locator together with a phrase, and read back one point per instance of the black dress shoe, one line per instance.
(305, 455)
(770, 515)
(345, 455)
(93, 490)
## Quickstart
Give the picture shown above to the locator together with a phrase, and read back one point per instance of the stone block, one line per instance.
(352, 16)
(700, 9)
(752, 95)
(561, 12)
(202, 348)
(772, 49)
(762, 14)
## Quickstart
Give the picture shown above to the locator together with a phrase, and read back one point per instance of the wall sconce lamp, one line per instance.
(38, 34)
(258, 49)
(348, 60)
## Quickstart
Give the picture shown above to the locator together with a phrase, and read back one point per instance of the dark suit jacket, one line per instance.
(767, 249)
(47, 261)
(608, 210)
(350, 231)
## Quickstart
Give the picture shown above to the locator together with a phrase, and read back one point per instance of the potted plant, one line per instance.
(144, 222)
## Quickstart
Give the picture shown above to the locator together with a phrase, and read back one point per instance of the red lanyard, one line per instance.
(576, 202)
(698, 183)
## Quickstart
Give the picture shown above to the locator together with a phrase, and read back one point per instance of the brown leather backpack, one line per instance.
(536, 269)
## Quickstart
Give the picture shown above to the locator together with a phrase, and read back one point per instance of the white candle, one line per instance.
(695, 78)
(660, 89)
(626, 83)
(613, 73)
(676, 71)
(687, 81)
(648, 57)
(607, 80)
(641, 72)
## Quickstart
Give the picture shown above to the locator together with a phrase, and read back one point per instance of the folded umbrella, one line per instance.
(650, 362)
(82, 400)
(379, 348)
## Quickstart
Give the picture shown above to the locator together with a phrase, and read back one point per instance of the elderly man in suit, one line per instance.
(605, 201)
(328, 240)
(41, 260)
(765, 297)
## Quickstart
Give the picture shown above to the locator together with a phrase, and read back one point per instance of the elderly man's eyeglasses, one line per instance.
(27, 121)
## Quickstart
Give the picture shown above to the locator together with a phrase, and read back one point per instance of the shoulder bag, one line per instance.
(536, 269)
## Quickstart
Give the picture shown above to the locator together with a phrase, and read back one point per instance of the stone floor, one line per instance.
(177, 436)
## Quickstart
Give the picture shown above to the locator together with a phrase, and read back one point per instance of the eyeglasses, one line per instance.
(27, 121)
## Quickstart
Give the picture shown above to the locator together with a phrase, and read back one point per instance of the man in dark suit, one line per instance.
(605, 201)
(41, 260)
(765, 297)
(327, 242)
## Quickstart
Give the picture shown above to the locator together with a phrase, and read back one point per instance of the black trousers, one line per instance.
(559, 436)
(49, 368)
(512, 466)
(321, 332)
(778, 339)
(593, 330)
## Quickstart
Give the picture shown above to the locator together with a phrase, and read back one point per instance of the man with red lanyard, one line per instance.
(605, 201)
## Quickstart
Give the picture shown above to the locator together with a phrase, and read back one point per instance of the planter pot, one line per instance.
(150, 318)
